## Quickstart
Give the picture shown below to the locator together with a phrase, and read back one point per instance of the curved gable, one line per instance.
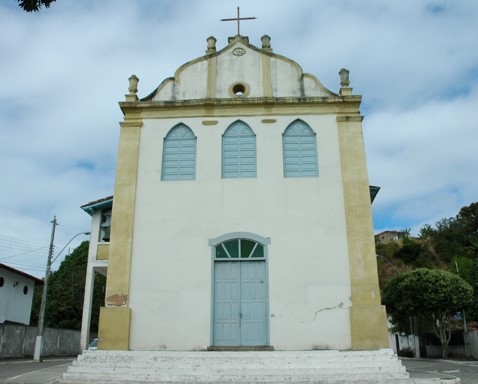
(240, 70)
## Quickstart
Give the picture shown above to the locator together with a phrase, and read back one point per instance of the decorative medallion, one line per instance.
(238, 51)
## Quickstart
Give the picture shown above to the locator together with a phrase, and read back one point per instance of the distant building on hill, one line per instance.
(386, 237)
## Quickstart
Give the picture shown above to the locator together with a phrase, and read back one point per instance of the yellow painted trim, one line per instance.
(245, 107)
(266, 75)
(114, 326)
(210, 122)
(345, 91)
(268, 121)
(103, 251)
(211, 77)
(352, 119)
(118, 279)
(367, 316)
(368, 325)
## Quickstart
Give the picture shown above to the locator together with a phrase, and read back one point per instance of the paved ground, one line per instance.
(467, 371)
(29, 372)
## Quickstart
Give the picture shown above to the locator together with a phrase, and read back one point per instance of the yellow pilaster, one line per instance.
(266, 75)
(113, 331)
(114, 324)
(211, 77)
(367, 315)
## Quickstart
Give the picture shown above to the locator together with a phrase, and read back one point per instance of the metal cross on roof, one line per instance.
(238, 19)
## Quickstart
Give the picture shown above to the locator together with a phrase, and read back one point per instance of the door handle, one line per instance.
(240, 316)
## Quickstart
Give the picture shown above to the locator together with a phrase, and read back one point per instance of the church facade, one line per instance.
(241, 215)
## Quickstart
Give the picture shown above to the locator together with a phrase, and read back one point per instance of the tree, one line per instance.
(34, 5)
(435, 294)
(474, 285)
(426, 232)
(66, 288)
(468, 217)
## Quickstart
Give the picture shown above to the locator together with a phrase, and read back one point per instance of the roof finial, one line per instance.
(133, 89)
(345, 90)
(344, 77)
(266, 43)
(211, 44)
(238, 19)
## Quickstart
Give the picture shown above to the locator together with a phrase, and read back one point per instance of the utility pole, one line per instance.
(38, 340)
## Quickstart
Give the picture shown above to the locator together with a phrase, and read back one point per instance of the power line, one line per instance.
(23, 213)
(19, 241)
(36, 218)
(25, 266)
(9, 247)
(22, 253)
(19, 247)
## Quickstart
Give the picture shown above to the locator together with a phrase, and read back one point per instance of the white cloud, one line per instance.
(65, 68)
(424, 159)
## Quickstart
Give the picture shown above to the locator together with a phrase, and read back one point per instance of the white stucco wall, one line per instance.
(308, 272)
(15, 305)
(246, 69)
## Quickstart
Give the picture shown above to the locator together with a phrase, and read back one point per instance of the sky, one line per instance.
(63, 71)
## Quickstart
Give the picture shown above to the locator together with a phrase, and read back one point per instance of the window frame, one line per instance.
(240, 172)
(168, 139)
(301, 172)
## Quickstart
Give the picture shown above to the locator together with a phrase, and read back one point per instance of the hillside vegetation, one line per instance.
(451, 245)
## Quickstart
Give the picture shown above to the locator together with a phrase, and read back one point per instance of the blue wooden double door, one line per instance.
(240, 303)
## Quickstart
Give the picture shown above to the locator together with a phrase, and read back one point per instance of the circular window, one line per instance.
(25, 290)
(239, 90)
(2, 281)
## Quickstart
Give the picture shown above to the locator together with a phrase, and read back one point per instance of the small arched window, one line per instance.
(238, 151)
(179, 154)
(299, 150)
(240, 249)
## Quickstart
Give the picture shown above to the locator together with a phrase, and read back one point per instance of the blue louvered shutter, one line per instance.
(238, 151)
(179, 154)
(299, 150)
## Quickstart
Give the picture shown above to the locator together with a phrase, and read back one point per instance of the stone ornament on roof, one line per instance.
(345, 90)
(211, 44)
(133, 88)
(266, 43)
(239, 51)
(344, 77)
(133, 84)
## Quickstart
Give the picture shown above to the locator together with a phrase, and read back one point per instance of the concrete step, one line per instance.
(266, 358)
(183, 359)
(356, 380)
(188, 364)
(328, 367)
(398, 372)
(323, 354)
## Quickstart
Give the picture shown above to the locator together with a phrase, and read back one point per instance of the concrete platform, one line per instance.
(327, 367)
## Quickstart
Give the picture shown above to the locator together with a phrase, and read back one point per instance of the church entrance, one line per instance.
(240, 294)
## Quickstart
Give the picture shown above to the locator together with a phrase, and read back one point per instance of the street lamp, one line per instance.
(41, 317)
(389, 262)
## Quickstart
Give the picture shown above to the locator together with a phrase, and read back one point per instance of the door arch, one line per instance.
(240, 293)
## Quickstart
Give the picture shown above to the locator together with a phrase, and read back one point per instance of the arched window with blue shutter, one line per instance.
(238, 151)
(179, 154)
(299, 150)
